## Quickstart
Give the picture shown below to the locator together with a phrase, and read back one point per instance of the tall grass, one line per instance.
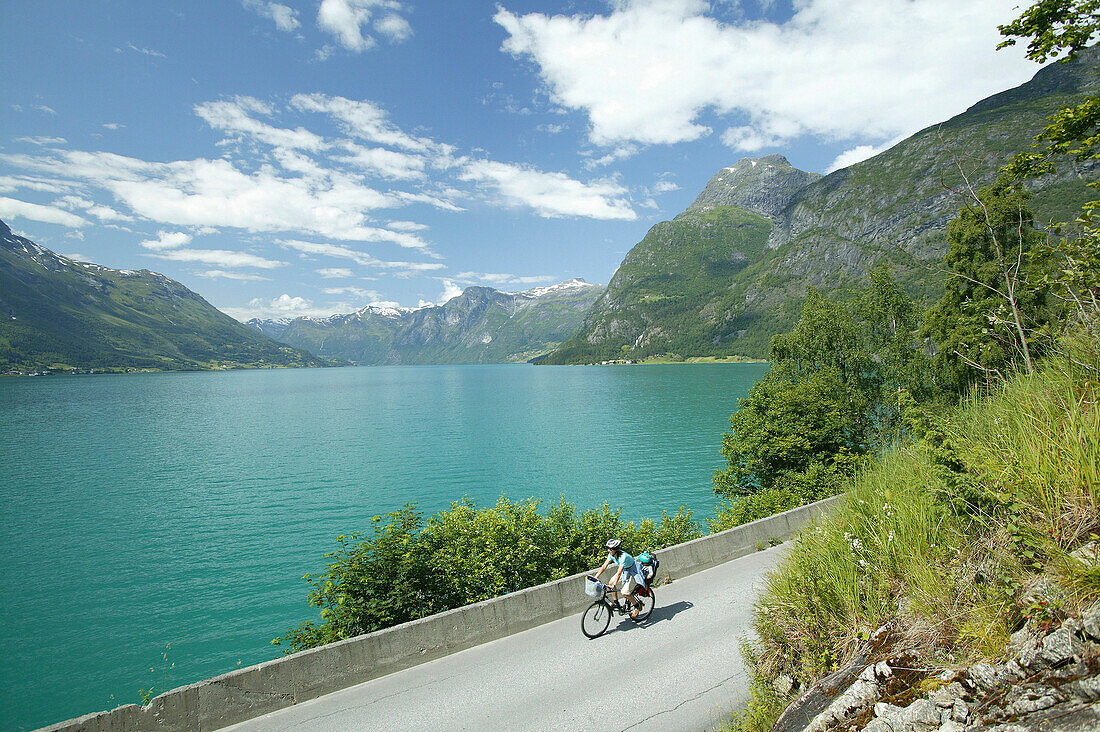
(958, 537)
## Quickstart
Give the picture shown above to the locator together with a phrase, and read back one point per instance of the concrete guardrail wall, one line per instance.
(251, 692)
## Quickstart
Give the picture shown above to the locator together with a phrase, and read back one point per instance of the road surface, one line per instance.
(680, 670)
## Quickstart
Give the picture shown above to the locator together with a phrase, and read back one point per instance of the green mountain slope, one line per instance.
(482, 325)
(669, 297)
(63, 314)
(673, 291)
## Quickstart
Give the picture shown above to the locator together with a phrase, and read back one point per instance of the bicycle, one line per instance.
(597, 617)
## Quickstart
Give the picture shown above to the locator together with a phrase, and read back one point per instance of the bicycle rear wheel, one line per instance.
(595, 619)
(647, 605)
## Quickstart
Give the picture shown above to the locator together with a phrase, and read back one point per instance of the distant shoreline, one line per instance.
(667, 360)
(661, 360)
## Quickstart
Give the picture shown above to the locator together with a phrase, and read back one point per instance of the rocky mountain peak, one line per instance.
(762, 185)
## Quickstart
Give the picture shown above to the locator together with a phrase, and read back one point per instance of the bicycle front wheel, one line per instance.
(596, 619)
(647, 606)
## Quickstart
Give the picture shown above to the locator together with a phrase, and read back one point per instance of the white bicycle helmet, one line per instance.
(613, 544)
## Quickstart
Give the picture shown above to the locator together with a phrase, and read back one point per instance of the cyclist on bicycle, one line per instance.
(628, 576)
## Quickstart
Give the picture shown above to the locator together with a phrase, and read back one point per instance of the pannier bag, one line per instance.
(593, 587)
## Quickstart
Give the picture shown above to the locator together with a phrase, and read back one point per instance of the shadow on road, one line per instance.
(667, 612)
(659, 613)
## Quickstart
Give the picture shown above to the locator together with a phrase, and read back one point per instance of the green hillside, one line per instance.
(56, 313)
(672, 294)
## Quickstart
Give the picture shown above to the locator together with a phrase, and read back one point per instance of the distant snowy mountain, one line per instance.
(482, 325)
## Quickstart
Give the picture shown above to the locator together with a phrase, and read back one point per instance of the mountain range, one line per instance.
(58, 313)
(731, 271)
(482, 325)
(719, 279)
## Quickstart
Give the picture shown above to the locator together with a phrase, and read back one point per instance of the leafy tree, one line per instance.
(992, 308)
(837, 388)
(785, 427)
(1054, 28)
(369, 583)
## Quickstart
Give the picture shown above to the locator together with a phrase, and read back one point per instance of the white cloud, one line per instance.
(551, 195)
(858, 154)
(44, 109)
(387, 163)
(103, 213)
(406, 226)
(286, 306)
(838, 69)
(222, 274)
(232, 115)
(216, 193)
(665, 186)
(282, 306)
(10, 183)
(362, 258)
(346, 19)
(285, 18)
(394, 27)
(359, 292)
(13, 208)
(218, 258)
(106, 213)
(440, 203)
(40, 140)
(145, 51)
(500, 279)
(748, 139)
(333, 273)
(362, 119)
(621, 152)
(166, 240)
(450, 291)
(113, 125)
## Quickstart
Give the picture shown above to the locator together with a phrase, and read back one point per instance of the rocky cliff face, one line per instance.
(707, 284)
(482, 325)
(762, 185)
(903, 198)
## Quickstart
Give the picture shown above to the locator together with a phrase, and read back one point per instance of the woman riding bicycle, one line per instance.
(627, 578)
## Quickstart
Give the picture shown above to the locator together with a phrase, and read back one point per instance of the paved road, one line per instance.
(680, 670)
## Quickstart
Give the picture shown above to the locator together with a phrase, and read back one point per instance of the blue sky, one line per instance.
(308, 158)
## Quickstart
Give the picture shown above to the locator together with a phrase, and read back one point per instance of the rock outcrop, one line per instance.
(762, 185)
(1050, 683)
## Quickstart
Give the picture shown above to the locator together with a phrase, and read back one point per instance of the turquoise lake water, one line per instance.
(184, 508)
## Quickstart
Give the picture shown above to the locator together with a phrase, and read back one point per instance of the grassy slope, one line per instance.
(674, 289)
(959, 536)
(61, 314)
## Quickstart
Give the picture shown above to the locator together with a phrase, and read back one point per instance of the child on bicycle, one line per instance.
(627, 578)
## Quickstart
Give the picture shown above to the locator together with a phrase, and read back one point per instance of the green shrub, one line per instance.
(409, 568)
(948, 532)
